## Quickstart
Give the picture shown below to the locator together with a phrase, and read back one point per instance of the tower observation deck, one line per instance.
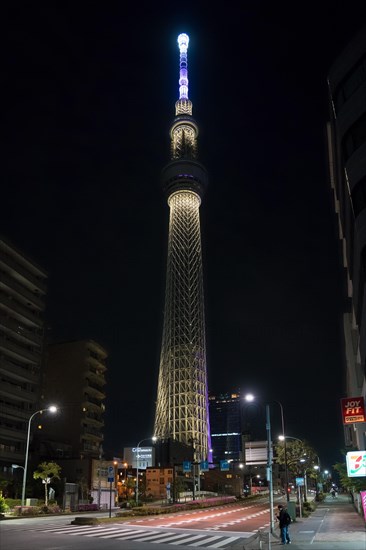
(182, 396)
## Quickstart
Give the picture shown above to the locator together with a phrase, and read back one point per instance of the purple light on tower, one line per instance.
(183, 40)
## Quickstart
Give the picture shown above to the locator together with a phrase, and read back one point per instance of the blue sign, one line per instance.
(204, 466)
(110, 474)
(187, 466)
(224, 465)
(300, 481)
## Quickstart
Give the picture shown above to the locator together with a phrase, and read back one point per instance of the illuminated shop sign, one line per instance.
(353, 410)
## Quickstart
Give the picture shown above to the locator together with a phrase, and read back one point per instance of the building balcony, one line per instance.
(92, 433)
(18, 311)
(94, 389)
(7, 263)
(18, 373)
(97, 375)
(96, 362)
(15, 456)
(14, 413)
(23, 294)
(9, 347)
(12, 434)
(90, 447)
(23, 334)
(93, 418)
(17, 393)
(91, 401)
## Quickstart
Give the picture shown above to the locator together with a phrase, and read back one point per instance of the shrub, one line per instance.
(87, 507)
(27, 510)
(3, 505)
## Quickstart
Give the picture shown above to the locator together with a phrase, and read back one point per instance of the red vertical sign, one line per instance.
(353, 410)
(363, 500)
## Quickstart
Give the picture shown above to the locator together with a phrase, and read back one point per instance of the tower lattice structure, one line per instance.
(182, 397)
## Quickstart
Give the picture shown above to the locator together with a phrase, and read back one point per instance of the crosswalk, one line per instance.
(191, 539)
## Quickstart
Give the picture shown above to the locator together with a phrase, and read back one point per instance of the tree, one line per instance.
(352, 484)
(301, 458)
(47, 471)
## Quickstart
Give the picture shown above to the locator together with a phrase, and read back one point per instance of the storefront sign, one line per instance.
(356, 464)
(353, 410)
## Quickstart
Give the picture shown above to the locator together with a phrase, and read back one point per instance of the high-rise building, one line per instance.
(347, 162)
(74, 379)
(22, 295)
(226, 426)
(182, 398)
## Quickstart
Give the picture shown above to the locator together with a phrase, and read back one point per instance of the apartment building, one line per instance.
(22, 305)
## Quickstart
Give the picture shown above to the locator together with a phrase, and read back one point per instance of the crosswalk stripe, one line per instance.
(151, 535)
(170, 538)
(206, 541)
(226, 541)
(195, 537)
(145, 536)
(109, 533)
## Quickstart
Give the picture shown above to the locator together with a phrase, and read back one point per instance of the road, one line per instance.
(219, 527)
(334, 525)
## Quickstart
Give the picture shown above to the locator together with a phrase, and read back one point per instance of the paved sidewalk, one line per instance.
(334, 525)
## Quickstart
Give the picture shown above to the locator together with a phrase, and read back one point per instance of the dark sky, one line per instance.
(90, 96)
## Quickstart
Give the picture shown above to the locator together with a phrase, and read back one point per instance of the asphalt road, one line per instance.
(334, 525)
(218, 527)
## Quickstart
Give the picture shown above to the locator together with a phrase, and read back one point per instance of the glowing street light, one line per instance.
(51, 409)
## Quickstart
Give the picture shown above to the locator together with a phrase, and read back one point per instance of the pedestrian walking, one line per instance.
(284, 519)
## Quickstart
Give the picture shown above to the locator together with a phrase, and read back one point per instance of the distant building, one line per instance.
(22, 304)
(158, 482)
(347, 162)
(226, 429)
(141, 457)
(74, 379)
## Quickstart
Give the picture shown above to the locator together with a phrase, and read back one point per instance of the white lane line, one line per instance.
(226, 541)
(195, 537)
(206, 541)
(172, 537)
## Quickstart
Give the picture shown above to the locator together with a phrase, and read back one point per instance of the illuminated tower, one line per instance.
(182, 400)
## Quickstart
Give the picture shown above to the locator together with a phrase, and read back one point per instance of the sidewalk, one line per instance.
(334, 525)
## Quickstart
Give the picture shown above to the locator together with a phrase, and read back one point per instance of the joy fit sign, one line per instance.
(353, 410)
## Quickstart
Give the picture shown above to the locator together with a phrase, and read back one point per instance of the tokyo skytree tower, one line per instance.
(182, 398)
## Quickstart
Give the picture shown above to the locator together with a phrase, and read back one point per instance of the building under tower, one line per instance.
(182, 396)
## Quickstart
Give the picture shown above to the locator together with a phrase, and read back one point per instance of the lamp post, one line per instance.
(250, 398)
(137, 465)
(14, 466)
(284, 449)
(51, 409)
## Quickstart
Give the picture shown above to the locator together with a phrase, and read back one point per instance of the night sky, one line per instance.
(90, 96)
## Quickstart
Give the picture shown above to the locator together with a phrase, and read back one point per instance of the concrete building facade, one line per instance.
(347, 167)
(74, 379)
(22, 305)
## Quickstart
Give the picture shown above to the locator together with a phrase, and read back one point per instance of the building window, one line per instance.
(352, 81)
(359, 196)
(354, 137)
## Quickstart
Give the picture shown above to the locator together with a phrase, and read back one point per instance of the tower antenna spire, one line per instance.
(183, 40)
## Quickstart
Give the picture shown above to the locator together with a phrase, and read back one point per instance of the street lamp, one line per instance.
(51, 409)
(137, 465)
(250, 398)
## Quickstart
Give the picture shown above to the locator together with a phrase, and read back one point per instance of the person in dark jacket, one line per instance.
(284, 521)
